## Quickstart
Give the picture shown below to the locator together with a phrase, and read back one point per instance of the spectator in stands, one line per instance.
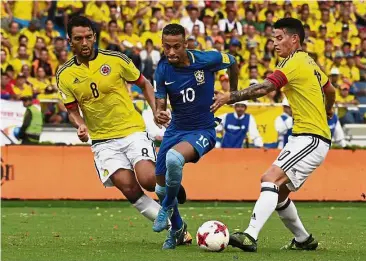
(110, 39)
(41, 82)
(230, 23)
(234, 47)
(21, 59)
(336, 131)
(325, 60)
(348, 114)
(335, 77)
(26, 71)
(283, 124)
(61, 59)
(361, 60)
(129, 39)
(13, 36)
(326, 21)
(40, 44)
(192, 19)
(338, 60)
(98, 12)
(215, 35)
(42, 61)
(23, 40)
(149, 60)
(68, 9)
(22, 13)
(192, 42)
(32, 32)
(20, 87)
(32, 126)
(7, 92)
(199, 38)
(237, 126)
(153, 34)
(48, 33)
(349, 70)
(4, 60)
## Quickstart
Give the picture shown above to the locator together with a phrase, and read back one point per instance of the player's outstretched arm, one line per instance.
(252, 92)
(233, 72)
(329, 92)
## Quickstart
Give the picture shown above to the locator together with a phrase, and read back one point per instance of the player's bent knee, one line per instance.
(148, 183)
(132, 192)
(174, 164)
(275, 175)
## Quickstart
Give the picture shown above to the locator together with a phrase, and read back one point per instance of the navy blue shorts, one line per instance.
(202, 141)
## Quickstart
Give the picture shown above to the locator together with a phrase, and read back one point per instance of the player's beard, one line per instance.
(86, 52)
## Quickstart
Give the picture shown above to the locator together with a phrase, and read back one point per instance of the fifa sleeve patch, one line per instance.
(278, 78)
(225, 58)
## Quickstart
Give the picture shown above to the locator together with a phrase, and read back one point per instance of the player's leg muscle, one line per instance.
(126, 182)
(145, 172)
(275, 175)
(283, 193)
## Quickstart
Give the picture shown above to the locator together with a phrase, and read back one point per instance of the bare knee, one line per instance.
(145, 173)
(148, 182)
(275, 175)
(132, 192)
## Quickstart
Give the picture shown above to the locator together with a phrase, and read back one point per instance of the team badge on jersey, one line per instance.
(105, 69)
(200, 77)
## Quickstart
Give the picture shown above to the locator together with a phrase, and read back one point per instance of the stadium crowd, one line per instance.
(34, 45)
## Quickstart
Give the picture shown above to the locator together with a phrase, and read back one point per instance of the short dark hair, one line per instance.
(292, 26)
(112, 22)
(59, 38)
(269, 12)
(21, 37)
(79, 21)
(174, 29)
(44, 49)
(149, 41)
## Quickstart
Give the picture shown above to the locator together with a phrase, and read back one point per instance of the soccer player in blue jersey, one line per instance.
(187, 77)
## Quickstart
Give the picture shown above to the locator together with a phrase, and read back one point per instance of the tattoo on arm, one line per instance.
(252, 92)
(161, 104)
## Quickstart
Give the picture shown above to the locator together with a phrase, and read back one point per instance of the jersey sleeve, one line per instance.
(285, 72)
(129, 72)
(323, 78)
(64, 91)
(159, 85)
(217, 61)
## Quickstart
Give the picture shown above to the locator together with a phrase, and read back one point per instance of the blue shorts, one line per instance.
(202, 141)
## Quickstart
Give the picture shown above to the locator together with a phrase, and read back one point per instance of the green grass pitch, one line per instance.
(95, 230)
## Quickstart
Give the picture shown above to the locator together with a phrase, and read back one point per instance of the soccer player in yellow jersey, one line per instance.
(124, 156)
(311, 97)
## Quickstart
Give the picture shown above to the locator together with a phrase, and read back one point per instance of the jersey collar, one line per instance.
(191, 57)
(95, 56)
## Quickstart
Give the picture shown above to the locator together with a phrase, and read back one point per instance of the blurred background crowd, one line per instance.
(34, 43)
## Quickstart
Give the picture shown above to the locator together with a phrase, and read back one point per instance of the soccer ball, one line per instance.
(212, 236)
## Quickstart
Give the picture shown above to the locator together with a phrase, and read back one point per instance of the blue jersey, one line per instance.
(332, 124)
(191, 88)
(235, 131)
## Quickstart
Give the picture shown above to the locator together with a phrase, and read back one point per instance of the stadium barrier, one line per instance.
(67, 172)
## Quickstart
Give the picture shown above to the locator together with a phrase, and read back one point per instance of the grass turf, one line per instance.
(93, 230)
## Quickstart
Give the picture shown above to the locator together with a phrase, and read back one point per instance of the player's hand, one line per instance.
(330, 114)
(83, 133)
(162, 118)
(220, 99)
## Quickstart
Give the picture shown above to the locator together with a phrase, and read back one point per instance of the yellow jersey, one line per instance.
(303, 83)
(106, 106)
